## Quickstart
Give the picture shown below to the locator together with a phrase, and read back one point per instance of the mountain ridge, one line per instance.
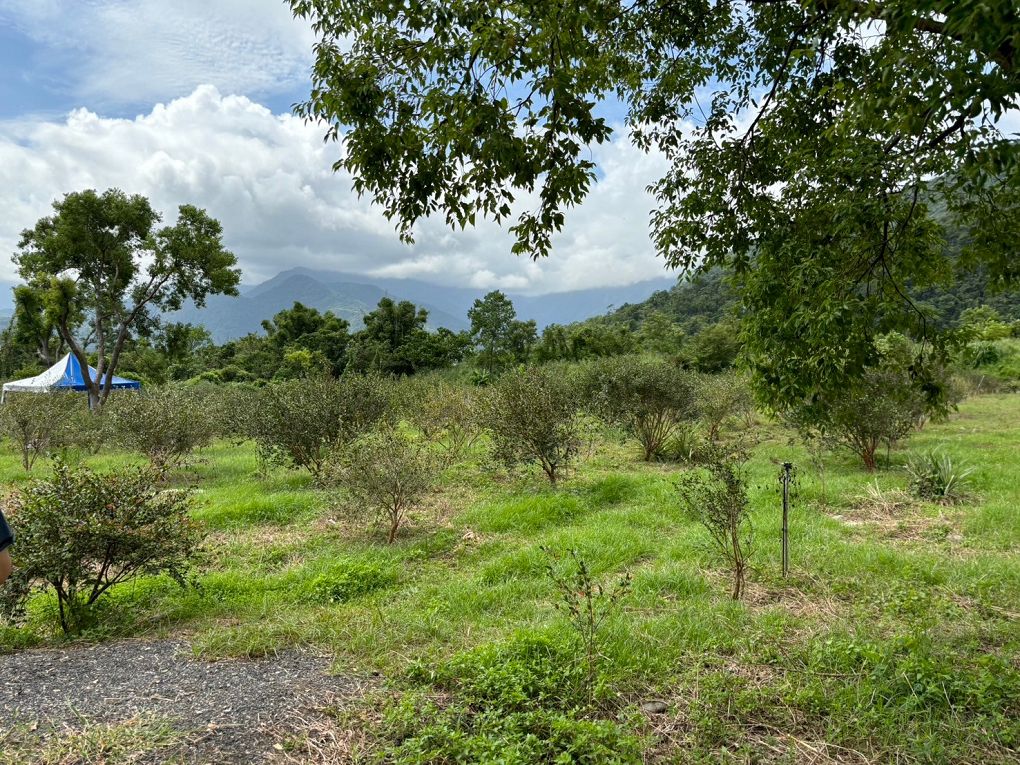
(351, 296)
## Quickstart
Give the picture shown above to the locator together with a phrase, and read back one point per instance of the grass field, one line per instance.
(896, 637)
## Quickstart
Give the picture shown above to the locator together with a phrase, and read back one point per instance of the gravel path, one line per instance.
(229, 710)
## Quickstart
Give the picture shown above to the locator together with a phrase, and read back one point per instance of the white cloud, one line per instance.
(141, 51)
(1009, 124)
(268, 178)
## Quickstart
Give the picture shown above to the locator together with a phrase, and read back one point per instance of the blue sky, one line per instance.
(120, 57)
(25, 89)
(189, 101)
(38, 80)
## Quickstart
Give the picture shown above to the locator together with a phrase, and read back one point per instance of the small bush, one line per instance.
(722, 397)
(165, 424)
(81, 533)
(39, 423)
(587, 606)
(715, 348)
(717, 498)
(445, 413)
(883, 407)
(387, 472)
(298, 423)
(532, 417)
(934, 477)
(650, 397)
(998, 360)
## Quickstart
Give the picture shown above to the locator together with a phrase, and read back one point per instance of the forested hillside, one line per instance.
(708, 298)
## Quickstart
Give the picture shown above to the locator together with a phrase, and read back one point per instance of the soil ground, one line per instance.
(229, 711)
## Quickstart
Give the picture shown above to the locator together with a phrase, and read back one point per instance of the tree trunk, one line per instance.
(738, 563)
(394, 525)
(868, 455)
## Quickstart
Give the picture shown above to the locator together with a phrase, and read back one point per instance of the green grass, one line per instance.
(895, 636)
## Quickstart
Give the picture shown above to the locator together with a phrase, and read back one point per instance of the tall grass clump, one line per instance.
(935, 477)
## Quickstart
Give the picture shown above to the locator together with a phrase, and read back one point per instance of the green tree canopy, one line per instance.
(501, 339)
(396, 342)
(304, 328)
(809, 142)
(34, 325)
(593, 338)
(102, 268)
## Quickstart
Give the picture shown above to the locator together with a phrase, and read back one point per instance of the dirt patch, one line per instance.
(234, 711)
(816, 605)
(895, 515)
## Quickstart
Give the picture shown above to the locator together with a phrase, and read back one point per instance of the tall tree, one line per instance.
(302, 327)
(31, 338)
(500, 338)
(809, 142)
(104, 268)
(396, 342)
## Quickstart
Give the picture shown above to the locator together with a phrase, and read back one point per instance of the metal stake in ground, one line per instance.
(785, 480)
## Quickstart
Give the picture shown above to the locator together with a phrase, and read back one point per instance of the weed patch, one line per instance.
(346, 580)
(520, 702)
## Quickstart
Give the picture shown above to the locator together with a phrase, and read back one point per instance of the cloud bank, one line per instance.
(267, 177)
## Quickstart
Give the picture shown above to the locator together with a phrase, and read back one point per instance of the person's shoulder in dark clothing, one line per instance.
(6, 535)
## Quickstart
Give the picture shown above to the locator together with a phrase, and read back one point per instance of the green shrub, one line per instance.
(722, 397)
(39, 423)
(651, 397)
(984, 323)
(716, 497)
(299, 422)
(81, 533)
(165, 424)
(587, 605)
(446, 413)
(532, 417)
(983, 354)
(385, 471)
(934, 477)
(715, 348)
(883, 407)
(999, 359)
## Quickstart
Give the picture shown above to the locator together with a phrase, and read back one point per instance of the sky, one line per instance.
(190, 102)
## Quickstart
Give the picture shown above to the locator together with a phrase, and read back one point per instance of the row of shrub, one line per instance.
(531, 415)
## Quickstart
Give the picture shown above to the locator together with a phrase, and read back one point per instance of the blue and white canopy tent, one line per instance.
(65, 375)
